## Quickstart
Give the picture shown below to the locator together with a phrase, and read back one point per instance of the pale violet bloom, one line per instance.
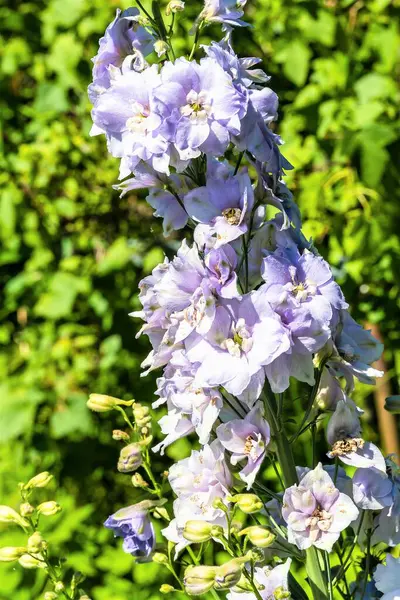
(167, 205)
(223, 205)
(387, 523)
(226, 12)
(234, 349)
(344, 422)
(246, 439)
(126, 114)
(271, 582)
(387, 578)
(122, 38)
(199, 107)
(134, 526)
(357, 349)
(372, 489)
(316, 511)
(198, 481)
(240, 69)
(190, 408)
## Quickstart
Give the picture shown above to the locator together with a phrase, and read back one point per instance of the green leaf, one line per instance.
(59, 300)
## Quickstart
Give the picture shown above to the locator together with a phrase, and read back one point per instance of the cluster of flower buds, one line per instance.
(36, 553)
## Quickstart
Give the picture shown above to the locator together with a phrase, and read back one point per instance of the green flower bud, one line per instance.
(36, 543)
(39, 481)
(167, 589)
(199, 580)
(50, 596)
(161, 47)
(255, 555)
(59, 586)
(201, 531)
(141, 415)
(26, 509)
(160, 558)
(120, 436)
(218, 504)
(31, 562)
(10, 553)
(9, 515)
(103, 403)
(261, 537)
(243, 585)
(392, 404)
(281, 594)
(248, 503)
(49, 508)
(174, 6)
(130, 458)
(138, 481)
(229, 574)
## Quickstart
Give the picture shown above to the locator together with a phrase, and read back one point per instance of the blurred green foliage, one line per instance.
(72, 253)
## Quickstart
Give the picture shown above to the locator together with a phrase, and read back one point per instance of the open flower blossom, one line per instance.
(271, 582)
(387, 522)
(372, 489)
(198, 481)
(226, 12)
(387, 578)
(246, 439)
(134, 526)
(316, 512)
(122, 38)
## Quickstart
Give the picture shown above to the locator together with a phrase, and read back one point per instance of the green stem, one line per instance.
(328, 573)
(367, 564)
(286, 460)
(196, 40)
(125, 416)
(346, 560)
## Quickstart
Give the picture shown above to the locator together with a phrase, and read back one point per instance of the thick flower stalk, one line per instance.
(246, 307)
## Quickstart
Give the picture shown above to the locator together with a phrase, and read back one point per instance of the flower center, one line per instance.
(197, 107)
(301, 290)
(320, 518)
(240, 341)
(232, 215)
(253, 447)
(345, 446)
(137, 123)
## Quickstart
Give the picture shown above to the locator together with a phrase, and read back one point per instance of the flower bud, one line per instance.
(392, 404)
(201, 531)
(167, 589)
(39, 481)
(50, 596)
(174, 6)
(229, 574)
(344, 423)
(141, 414)
(281, 594)
(36, 543)
(130, 458)
(59, 586)
(120, 436)
(10, 553)
(261, 537)
(199, 580)
(9, 515)
(255, 555)
(160, 558)
(248, 503)
(161, 47)
(31, 562)
(138, 481)
(219, 504)
(49, 509)
(243, 585)
(103, 403)
(26, 509)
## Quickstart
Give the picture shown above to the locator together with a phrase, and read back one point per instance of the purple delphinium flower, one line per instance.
(199, 106)
(234, 349)
(270, 582)
(226, 12)
(387, 578)
(122, 37)
(126, 114)
(294, 279)
(190, 408)
(221, 264)
(240, 69)
(167, 205)
(316, 512)
(198, 481)
(223, 205)
(357, 350)
(387, 523)
(372, 489)
(133, 524)
(246, 439)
